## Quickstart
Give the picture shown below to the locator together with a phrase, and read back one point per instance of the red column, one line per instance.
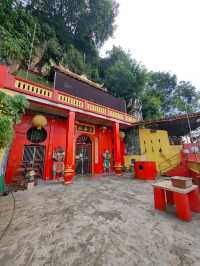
(6, 79)
(70, 149)
(49, 156)
(117, 152)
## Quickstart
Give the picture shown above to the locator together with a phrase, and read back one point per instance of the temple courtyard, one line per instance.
(97, 221)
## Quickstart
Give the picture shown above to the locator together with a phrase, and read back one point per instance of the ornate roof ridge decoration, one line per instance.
(82, 78)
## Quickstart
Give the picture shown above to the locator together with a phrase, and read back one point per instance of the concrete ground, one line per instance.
(99, 221)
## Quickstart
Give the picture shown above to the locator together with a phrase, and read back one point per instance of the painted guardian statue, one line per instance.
(58, 162)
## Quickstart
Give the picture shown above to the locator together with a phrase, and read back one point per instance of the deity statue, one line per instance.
(106, 162)
(134, 107)
(58, 162)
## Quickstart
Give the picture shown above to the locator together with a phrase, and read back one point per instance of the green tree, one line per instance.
(122, 75)
(11, 109)
(151, 106)
(16, 33)
(74, 60)
(162, 85)
(93, 19)
(84, 24)
(185, 97)
(61, 24)
(163, 96)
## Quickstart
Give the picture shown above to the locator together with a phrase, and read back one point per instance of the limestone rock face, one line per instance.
(14, 67)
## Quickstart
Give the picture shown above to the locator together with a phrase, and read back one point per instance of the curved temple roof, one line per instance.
(175, 125)
(82, 78)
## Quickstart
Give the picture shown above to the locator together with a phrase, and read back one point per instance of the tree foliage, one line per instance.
(61, 24)
(158, 94)
(86, 21)
(11, 109)
(16, 31)
(6, 131)
(74, 60)
(164, 96)
(122, 75)
(71, 32)
(185, 97)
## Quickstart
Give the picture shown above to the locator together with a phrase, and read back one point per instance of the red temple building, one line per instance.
(77, 116)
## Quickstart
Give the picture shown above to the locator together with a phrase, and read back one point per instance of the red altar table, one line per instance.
(186, 200)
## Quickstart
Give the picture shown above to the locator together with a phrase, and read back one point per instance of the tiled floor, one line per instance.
(96, 221)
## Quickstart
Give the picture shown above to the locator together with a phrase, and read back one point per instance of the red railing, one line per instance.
(42, 91)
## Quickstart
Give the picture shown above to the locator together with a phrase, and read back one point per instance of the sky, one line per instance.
(164, 35)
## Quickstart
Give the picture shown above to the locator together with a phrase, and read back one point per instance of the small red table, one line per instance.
(186, 200)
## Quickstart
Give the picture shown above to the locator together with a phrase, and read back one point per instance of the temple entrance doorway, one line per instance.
(83, 155)
(33, 159)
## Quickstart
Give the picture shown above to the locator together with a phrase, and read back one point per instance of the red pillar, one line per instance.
(70, 149)
(49, 159)
(117, 152)
(6, 79)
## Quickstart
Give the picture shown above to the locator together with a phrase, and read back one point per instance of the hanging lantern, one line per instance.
(122, 135)
(39, 121)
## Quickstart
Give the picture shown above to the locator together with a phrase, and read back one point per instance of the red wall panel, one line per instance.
(17, 146)
(56, 136)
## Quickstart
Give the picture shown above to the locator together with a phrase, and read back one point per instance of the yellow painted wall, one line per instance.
(128, 158)
(155, 146)
(1, 155)
(194, 166)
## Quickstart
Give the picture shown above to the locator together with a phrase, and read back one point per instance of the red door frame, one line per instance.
(91, 137)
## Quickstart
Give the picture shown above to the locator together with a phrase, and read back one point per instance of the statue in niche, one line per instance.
(134, 108)
(106, 161)
(58, 162)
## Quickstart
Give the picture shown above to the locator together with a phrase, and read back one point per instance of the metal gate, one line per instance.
(83, 156)
(33, 158)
